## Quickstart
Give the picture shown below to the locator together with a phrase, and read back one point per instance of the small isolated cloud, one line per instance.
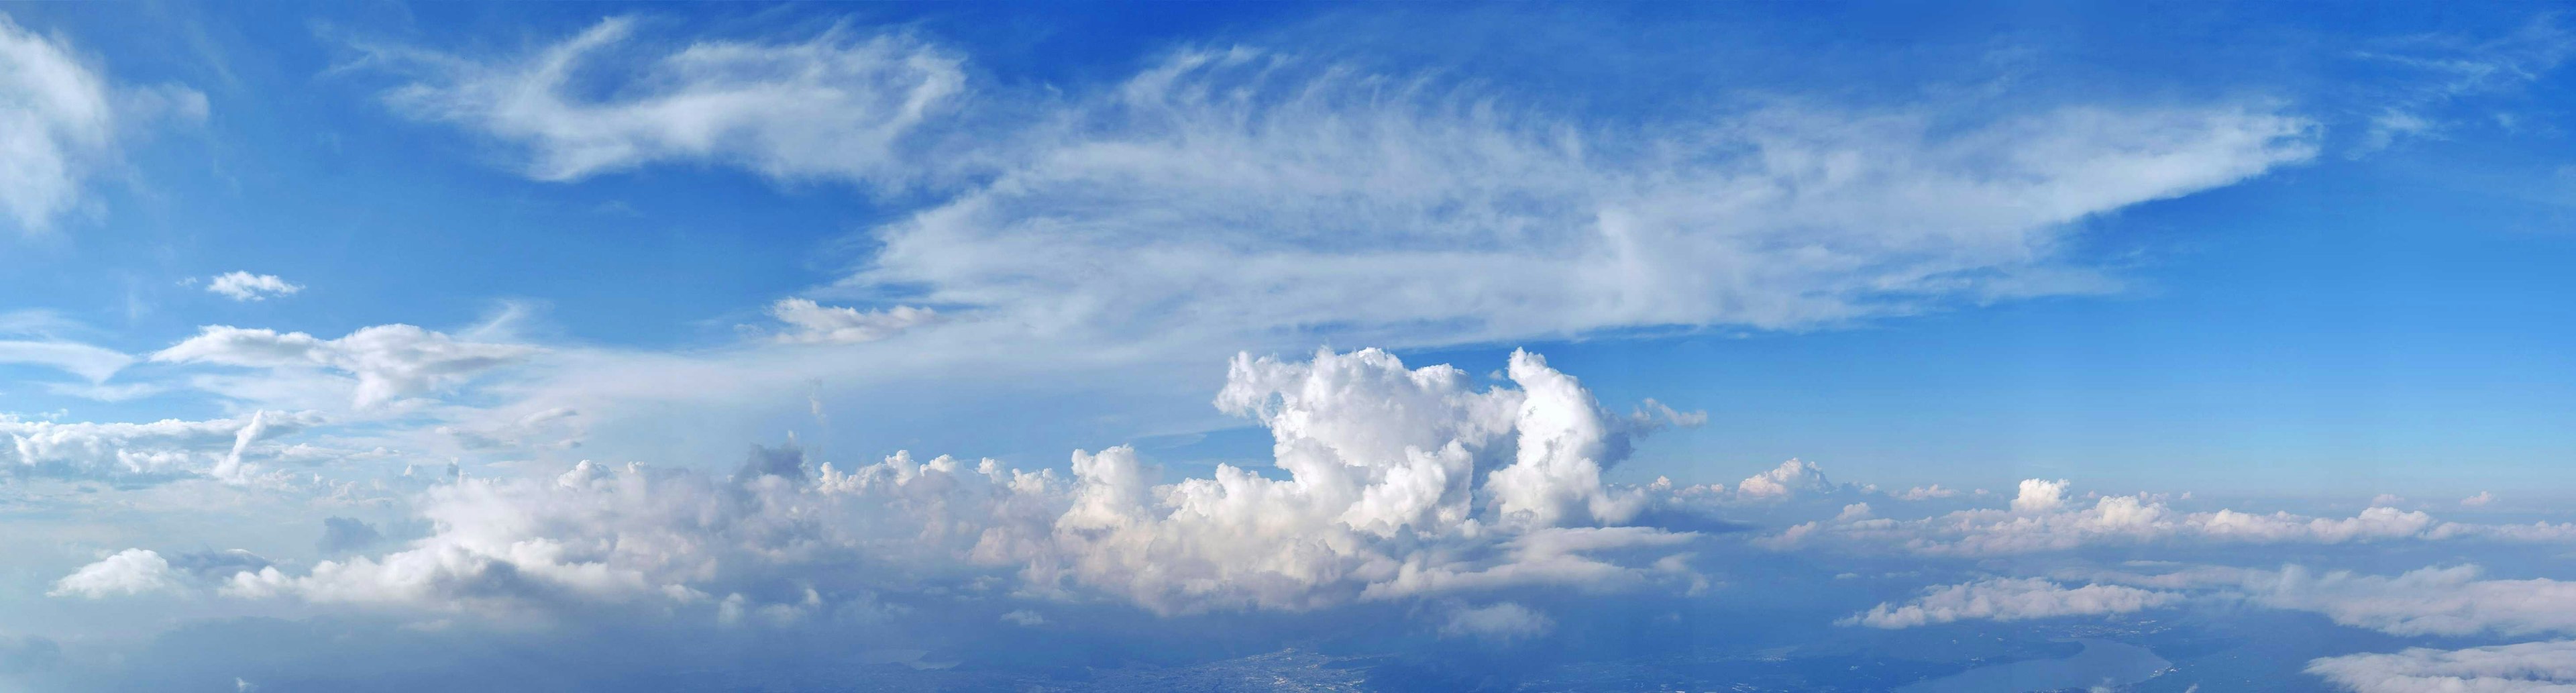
(2386, 500)
(1024, 617)
(129, 572)
(815, 323)
(1503, 622)
(2482, 498)
(2010, 599)
(244, 286)
(1790, 478)
(2039, 496)
(1926, 493)
(2531, 667)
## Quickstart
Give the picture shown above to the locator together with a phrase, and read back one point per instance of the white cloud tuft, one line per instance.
(2010, 599)
(2482, 498)
(129, 572)
(2040, 496)
(821, 324)
(244, 286)
(1790, 478)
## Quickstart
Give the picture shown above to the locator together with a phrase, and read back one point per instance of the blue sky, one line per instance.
(405, 265)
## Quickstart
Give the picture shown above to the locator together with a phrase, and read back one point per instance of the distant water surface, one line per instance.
(2102, 663)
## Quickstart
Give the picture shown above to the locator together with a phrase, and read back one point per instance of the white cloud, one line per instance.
(1245, 192)
(387, 361)
(139, 452)
(1024, 617)
(1378, 502)
(2532, 667)
(2010, 599)
(820, 324)
(1926, 493)
(60, 123)
(1790, 478)
(2429, 601)
(2482, 498)
(2043, 518)
(2040, 496)
(129, 572)
(1502, 622)
(837, 105)
(94, 363)
(244, 286)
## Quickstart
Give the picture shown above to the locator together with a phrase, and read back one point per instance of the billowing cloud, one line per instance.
(814, 323)
(1377, 500)
(841, 104)
(1791, 477)
(129, 572)
(244, 286)
(2010, 599)
(387, 361)
(2532, 667)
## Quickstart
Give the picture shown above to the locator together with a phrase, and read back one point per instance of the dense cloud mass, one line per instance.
(1392, 483)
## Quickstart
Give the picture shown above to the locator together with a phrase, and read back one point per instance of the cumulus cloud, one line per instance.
(842, 104)
(129, 572)
(1378, 500)
(2010, 599)
(1791, 477)
(814, 323)
(2039, 496)
(2532, 667)
(60, 122)
(244, 286)
(387, 361)
(2482, 498)
(1926, 493)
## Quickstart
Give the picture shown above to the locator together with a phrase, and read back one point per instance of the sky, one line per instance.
(784, 346)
